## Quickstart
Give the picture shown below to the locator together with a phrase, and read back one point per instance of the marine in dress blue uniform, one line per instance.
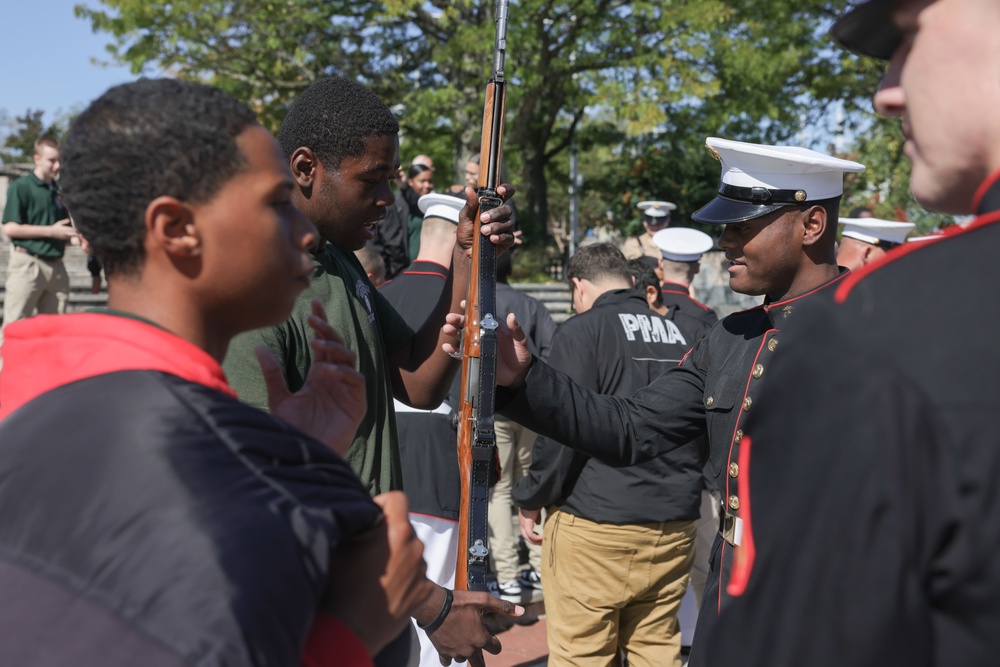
(778, 207)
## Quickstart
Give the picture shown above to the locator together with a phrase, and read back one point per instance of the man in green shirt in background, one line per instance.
(37, 224)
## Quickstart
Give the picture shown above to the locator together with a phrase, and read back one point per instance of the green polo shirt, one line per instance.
(30, 201)
(371, 328)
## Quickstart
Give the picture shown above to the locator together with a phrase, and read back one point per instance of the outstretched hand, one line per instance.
(463, 635)
(331, 403)
(496, 223)
(514, 359)
(527, 521)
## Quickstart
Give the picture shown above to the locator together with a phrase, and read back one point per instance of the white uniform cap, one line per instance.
(758, 179)
(437, 205)
(875, 231)
(656, 209)
(682, 244)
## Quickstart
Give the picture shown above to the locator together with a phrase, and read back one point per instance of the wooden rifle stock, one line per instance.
(476, 438)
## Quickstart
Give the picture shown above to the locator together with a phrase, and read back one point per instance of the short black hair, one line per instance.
(140, 141)
(414, 170)
(596, 262)
(335, 117)
(858, 210)
(644, 276)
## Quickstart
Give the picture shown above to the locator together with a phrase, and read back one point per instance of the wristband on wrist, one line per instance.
(449, 597)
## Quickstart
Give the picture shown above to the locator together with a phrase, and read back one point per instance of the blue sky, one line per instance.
(49, 55)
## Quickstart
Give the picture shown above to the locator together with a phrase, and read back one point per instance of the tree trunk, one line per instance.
(533, 213)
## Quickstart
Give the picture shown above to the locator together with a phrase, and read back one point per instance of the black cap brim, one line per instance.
(724, 211)
(868, 30)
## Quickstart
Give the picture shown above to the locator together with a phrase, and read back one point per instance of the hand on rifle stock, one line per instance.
(514, 359)
(496, 223)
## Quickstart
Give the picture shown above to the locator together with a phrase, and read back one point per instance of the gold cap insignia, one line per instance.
(800, 195)
(714, 153)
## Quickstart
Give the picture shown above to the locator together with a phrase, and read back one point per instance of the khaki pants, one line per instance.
(610, 587)
(34, 286)
(514, 443)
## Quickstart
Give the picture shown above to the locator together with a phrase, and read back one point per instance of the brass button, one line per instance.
(758, 370)
(747, 403)
(709, 401)
(771, 344)
(734, 470)
(734, 503)
(739, 435)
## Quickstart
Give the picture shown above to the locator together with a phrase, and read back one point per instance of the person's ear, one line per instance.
(305, 166)
(651, 294)
(814, 225)
(170, 226)
(866, 256)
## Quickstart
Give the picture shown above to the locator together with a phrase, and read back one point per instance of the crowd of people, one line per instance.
(211, 470)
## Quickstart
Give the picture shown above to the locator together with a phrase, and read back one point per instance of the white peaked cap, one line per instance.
(874, 230)
(656, 209)
(682, 244)
(437, 205)
(747, 165)
(758, 179)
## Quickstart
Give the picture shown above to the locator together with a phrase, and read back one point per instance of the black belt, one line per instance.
(34, 254)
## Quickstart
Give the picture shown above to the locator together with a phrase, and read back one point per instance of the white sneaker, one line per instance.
(507, 590)
(530, 579)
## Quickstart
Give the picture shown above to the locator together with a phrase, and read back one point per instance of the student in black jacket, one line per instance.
(607, 524)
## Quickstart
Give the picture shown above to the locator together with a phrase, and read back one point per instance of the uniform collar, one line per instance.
(987, 197)
(674, 288)
(40, 183)
(785, 306)
(619, 296)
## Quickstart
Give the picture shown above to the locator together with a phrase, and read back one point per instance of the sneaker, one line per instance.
(507, 590)
(530, 579)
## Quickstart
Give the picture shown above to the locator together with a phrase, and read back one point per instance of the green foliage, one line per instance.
(885, 186)
(637, 85)
(19, 144)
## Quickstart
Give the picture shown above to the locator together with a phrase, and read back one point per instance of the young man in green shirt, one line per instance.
(342, 144)
(37, 224)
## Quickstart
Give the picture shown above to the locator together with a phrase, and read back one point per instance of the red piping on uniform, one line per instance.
(427, 261)
(674, 288)
(768, 307)
(745, 554)
(981, 192)
(424, 273)
(856, 276)
(746, 390)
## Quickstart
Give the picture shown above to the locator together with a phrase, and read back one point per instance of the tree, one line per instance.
(19, 144)
(663, 74)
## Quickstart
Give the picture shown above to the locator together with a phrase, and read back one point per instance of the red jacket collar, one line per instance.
(48, 351)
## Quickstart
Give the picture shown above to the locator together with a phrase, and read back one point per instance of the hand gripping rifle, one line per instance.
(476, 437)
